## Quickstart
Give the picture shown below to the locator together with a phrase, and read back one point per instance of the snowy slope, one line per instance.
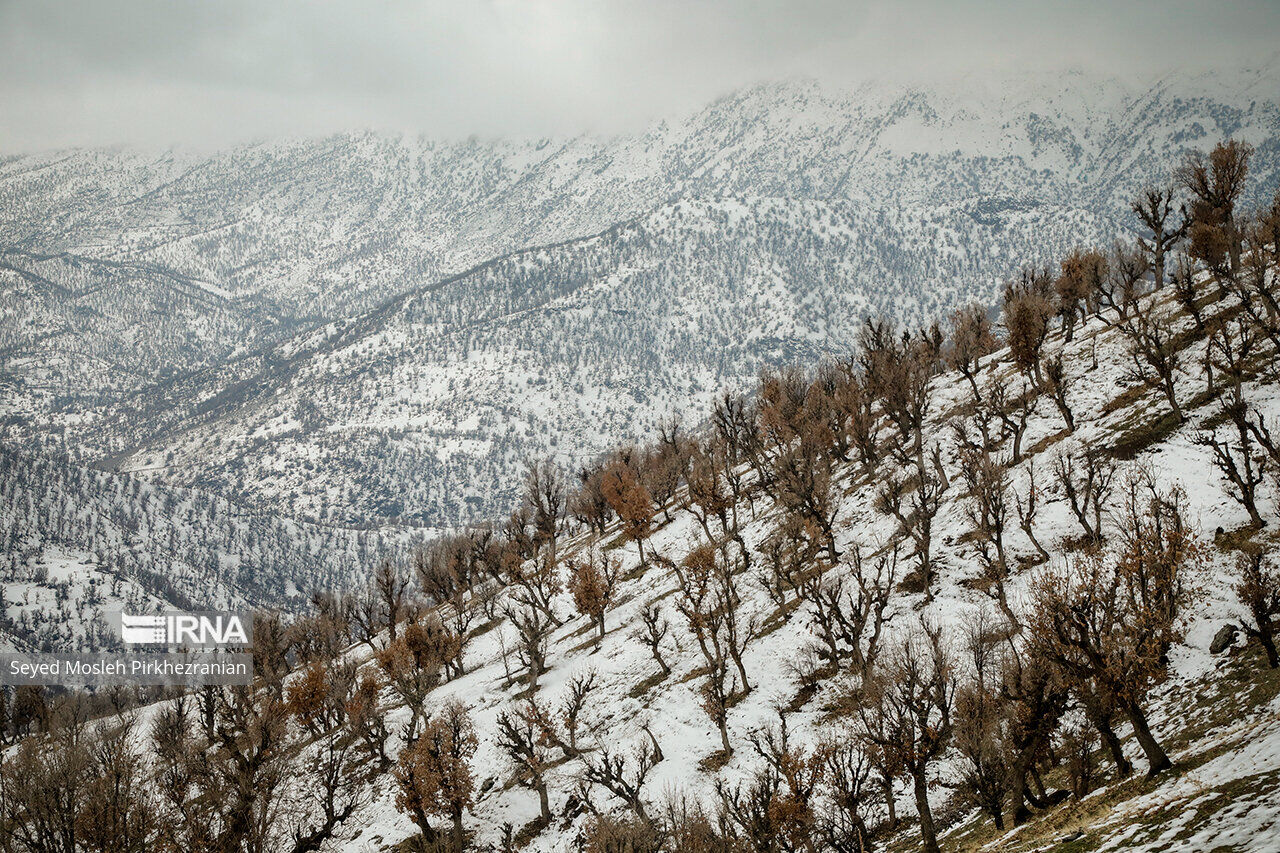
(1228, 751)
(561, 351)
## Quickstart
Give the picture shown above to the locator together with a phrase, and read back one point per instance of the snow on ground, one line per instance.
(622, 708)
(58, 598)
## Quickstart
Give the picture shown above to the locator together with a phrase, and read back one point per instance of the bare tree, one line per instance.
(803, 477)
(847, 612)
(850, 797)
(972, 336)
(786, 786)
(392, 587)
(1057, 382)
(366, 722)
(1230, 348)
(907, 712)
(520, 739)
(987, 512)
(1013, 412)
(225, 795)
(1186, 290)
(654, 629)
(1154, 209)
(1258, 285)
(1111, 624)
(914, 503)
(709, 601)
(1036, 701)
(533, 628)
(1154, 353)
(544, 495)
(1027, 510)
(1259, 590)
(1161, 554)
(983, 722)
(1123, 287)
(1087, 480)
(622, 777)
(861, 416)
(331, 791)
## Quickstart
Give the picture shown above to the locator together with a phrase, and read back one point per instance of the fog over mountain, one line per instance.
(207, 75)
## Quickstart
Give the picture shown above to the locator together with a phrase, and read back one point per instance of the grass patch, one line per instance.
(1138, 439)
(1240, 539)
(810, 688)
(1126, 399)
(696, 673)
(636, 573)
(714, 761)
(779, 616)
(912, 582)
(1045, 443)
(1216, 420)
(644, 686)
(481, 630)
(529, 831)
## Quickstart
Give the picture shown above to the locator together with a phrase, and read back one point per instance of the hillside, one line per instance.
(561, 351)
(1220, 716)
(79, 542)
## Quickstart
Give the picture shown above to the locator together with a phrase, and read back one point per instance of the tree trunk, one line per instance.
(1065, 410)
(1156, 756)
(742, 671)
(1172, 397)
(1102, 723)
(1124, 767)
(1021, 814)
(543, 802)
(928, 833)
(1002, 599)
(1268, 640)
(459, 836)
(889, 800)
(1233, 240)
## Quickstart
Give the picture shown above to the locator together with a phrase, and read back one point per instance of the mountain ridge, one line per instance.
(861, 199)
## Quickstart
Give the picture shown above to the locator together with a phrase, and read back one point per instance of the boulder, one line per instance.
(1224, 639)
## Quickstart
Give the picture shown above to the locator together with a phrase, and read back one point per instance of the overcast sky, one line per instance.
(211, 72)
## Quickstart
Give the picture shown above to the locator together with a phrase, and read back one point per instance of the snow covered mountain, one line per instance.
(356, 329)
(426, 408)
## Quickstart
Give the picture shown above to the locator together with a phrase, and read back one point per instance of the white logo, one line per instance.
(143, 629)
(219, 629)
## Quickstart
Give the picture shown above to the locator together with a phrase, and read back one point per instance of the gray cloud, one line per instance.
(207, 73)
